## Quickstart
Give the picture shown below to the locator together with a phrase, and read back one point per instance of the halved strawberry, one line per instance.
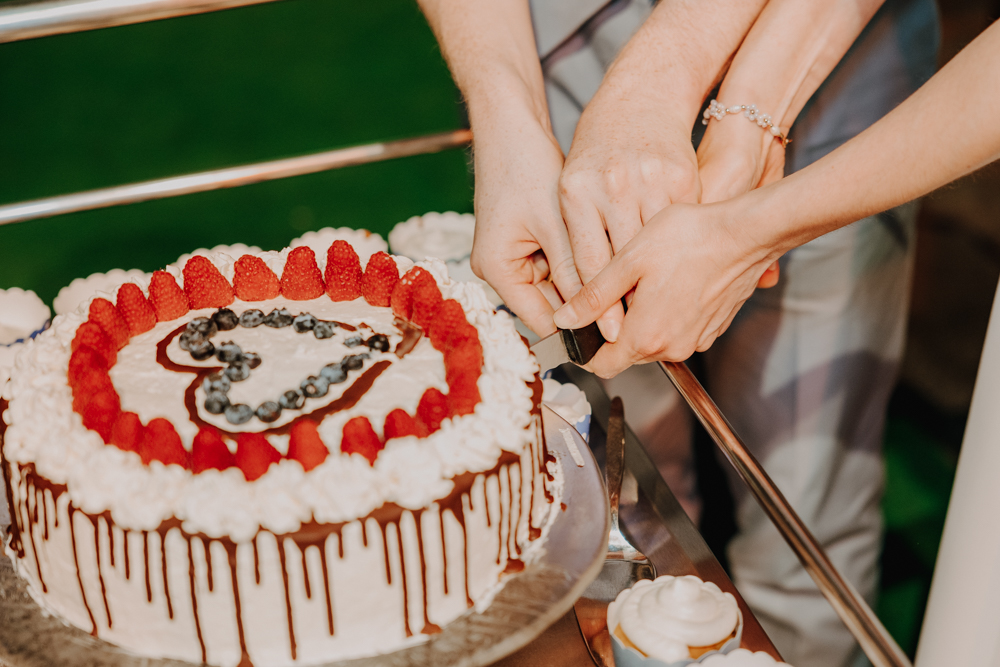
(401, 299)
(343, 272)
(463, 395)
(465, 359)
(432, 409)
(127, 432)
(301, 279)
(105, 315)
(84, 360)
(136, 309)
(204, 285)
(305, 445)
(101, 412)
(209, 451)
(167, 298)
(379, 279)
(254, 280)
(92, 335)
(399, 424)
(450, 326)
(160, 442)
(426, 301)
(254, 455)
(360, 438)
(89, 383)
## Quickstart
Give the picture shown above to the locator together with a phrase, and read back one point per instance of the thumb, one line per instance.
(597, 296)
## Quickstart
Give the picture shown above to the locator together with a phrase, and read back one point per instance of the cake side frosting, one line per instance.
(413, 512)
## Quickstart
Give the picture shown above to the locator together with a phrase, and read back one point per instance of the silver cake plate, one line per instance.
(529, 602)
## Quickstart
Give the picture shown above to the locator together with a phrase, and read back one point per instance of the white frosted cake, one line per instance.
(275, 459)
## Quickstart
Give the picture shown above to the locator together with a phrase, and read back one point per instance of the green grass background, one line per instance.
(120, 105)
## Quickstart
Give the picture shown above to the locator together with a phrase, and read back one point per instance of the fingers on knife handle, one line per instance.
(582, 344)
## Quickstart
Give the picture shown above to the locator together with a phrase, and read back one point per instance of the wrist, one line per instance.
(502, 94)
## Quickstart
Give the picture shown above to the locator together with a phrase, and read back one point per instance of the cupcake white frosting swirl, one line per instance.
(664, 617)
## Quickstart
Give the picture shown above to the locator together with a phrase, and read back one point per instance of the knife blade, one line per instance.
(568, 345)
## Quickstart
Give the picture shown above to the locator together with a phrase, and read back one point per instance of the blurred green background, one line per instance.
(115, 106)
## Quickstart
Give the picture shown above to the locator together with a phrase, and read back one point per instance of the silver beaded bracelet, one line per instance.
(750, 111)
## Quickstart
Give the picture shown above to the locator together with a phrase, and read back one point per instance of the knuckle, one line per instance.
(591, 297)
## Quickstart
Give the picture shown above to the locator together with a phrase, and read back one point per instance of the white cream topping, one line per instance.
(665, 616)
(410, 472)
(446, 236)
(741, 657)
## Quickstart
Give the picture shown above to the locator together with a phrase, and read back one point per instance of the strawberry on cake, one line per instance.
(276, 458)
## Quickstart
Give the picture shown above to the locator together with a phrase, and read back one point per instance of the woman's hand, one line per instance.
(692, 268)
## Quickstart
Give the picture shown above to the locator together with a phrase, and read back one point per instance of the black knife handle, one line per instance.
(582, 344)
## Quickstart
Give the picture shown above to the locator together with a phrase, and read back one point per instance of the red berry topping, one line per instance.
(88, 383)
(204, 285)
(402, 295)
(127, 432)
(254, 455)
(91, 335)
(426, 301)
(379, 279)
(450, 326)
(161, 443)
(208, 451)
(254, 280)
(104, 314)
(399, 424)
(101, 412)
(343, 272)
(463, 394)
(301, 279)
(168, 299)
(305, 445)
(84, 360)
(360, 438)
(136, 309)
(432, 409)
(464, 359)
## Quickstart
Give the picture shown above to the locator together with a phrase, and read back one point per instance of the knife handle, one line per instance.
(582, 344)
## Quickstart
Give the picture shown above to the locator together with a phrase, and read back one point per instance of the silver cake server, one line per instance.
(576, 345)
(624, 564)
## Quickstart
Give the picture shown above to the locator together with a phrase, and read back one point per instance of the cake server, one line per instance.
(576, 345)
(624, 565)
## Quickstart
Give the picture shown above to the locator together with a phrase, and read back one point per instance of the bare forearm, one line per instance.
(489, 46)
(681, 51)
(792, 48)
(944, 131)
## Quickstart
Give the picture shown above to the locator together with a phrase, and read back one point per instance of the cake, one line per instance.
(275, 459)
(674, 620)
(741, 657)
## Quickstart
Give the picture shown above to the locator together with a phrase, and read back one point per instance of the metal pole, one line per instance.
(876, 642)
(230, 177)
(39, 19)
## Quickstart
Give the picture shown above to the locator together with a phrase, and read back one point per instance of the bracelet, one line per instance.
(763, 120)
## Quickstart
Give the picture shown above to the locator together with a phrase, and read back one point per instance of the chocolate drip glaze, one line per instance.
(15, 517)
(37, 489)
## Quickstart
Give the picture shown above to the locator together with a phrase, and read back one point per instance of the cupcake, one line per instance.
(742, 658)
(672, 621)
(22, 316)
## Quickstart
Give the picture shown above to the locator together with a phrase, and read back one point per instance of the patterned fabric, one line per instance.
(805, 371)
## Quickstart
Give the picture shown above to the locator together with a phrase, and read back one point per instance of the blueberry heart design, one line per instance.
(196, 338)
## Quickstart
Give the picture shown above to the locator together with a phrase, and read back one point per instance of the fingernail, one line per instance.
(565, 317)
(611, 329)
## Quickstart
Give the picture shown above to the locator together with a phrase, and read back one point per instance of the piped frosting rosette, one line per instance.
(672, 621)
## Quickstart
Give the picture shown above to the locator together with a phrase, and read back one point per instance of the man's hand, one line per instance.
(692, 268)
(521, 246)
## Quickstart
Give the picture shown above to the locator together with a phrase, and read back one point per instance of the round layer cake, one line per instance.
(276, 458)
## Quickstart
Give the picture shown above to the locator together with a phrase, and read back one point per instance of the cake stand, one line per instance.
(528, 603)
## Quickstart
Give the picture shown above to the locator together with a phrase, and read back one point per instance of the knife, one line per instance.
(576, 345)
